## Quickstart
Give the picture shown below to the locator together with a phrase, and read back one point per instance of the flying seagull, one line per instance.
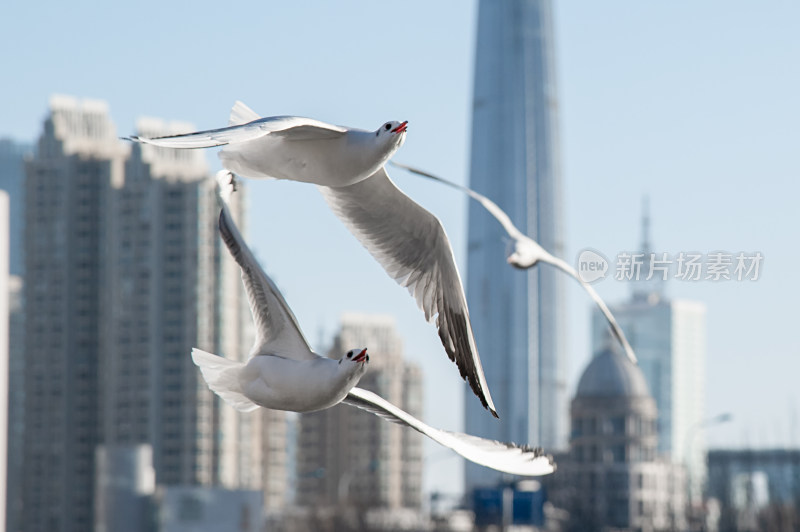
(527, 252)
(348, 165)
(283, 373)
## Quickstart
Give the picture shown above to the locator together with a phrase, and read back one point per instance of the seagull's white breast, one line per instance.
(294, 385)
(334, 162)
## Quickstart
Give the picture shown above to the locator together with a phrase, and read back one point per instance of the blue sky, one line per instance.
(695, 105)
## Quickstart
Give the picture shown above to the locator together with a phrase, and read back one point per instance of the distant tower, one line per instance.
(669, 338)
(350, 457)
(517, 316)
(649, 281)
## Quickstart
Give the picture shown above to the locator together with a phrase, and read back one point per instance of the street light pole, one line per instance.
(687, 457)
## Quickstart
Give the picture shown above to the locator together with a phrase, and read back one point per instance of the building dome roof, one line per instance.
(612, 374)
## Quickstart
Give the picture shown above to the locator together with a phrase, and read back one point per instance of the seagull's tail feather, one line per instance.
(241, 114)
(222, 376)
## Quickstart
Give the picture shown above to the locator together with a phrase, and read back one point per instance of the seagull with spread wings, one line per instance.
(348, 165)
(283, 373)
(527, 253)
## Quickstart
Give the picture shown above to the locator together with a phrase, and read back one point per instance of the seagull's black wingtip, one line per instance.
(132, 138)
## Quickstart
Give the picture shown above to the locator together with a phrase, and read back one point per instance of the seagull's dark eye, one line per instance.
(349, 354)
(388, 127)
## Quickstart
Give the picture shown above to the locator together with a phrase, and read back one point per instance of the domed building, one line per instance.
(613, 476)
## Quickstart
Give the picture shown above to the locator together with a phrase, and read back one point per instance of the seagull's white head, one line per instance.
(522, 255)
(392, 134)
(354, 363)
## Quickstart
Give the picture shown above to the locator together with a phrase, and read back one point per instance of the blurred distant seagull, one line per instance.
(283, 372)
(527, 252)
(348, 164)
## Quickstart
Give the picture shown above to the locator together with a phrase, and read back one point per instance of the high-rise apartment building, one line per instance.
(125, 274)
(79, 160)
(517, 316)
(346, 456)
(669, 339)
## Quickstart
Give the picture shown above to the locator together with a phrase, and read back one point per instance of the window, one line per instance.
(618, 425)
(618, 453)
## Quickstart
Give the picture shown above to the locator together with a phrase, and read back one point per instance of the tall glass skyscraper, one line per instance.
(517, 316)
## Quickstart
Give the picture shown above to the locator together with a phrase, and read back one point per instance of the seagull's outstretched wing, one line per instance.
(289, 127)
(277, 330)
(542, 254)
(505, 457)
(488, 204)
(411, 245)
(612, 322)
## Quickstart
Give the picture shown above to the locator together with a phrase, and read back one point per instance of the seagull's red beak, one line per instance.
(361, 357)
(401, 128)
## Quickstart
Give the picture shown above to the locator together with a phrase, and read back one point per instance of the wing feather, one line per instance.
(277, 330)
(506, 457)
(612, 322)
(284, 126)
(488, 204)
(412, 246)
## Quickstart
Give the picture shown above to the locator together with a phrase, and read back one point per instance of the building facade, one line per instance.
(126, 273)
(757, 489)
(349, 457)
(78, 162)
(613, 478)
(207, 509)
(517, 316)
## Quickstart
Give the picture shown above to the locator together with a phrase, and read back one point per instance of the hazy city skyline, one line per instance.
(695, 105)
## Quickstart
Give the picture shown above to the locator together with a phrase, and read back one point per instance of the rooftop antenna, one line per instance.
(646, 226)
(644, 289)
